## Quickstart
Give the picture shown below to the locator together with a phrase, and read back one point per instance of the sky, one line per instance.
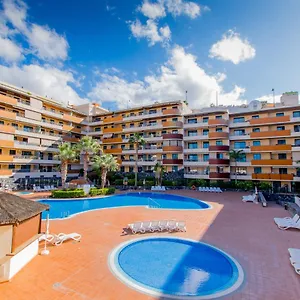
(128, 53)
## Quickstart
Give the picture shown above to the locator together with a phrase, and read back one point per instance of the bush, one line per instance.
(119, 182)
(68, 193)
(167, 183)
(131, 182)
(265, 186)
(105, 191)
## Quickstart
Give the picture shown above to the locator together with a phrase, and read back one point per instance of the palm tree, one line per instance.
(236, 155)
(66, 154)
(136, 140)
(105, 162)
(159, 172)
(87, 147)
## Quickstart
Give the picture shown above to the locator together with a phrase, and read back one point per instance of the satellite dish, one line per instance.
(255, 105)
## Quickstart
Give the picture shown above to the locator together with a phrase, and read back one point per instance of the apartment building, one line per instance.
(196, 141)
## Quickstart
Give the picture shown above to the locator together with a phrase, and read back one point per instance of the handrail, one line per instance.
(151, 200)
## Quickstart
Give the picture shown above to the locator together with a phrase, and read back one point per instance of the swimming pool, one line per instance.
(66, 208)
(23, 193)
(176, 268)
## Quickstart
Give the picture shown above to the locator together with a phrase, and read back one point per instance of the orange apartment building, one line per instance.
(198, 141)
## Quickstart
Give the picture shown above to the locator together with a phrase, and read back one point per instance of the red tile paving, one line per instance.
(80, 270)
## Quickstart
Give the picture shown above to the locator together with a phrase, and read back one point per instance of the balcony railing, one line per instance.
(215, 175)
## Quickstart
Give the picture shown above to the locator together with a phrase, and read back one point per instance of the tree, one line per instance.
(105, 163)
(159, 172)
(236, 155)
(66, 154)
(87, 147)
(136, 140)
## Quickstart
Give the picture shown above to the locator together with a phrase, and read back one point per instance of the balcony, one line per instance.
(113, 119)
(219, 148)
(217, 122)
(195, 163)
(70, 139)
(112, 140)
(8, 115)
(195, 125)
(8, 100)
(215, 175)
(172, 148)
(270, 120)
(67, 128)
(171, 111)
(217, 161)
(273, 133)
(218, 135)
(273, 176)
(113, 130)
(172, 124)
(4, 172)
(113, 151)
(74, 119)
(7, 128)
(195, 137)
(175, 136)
(239, 137)
(196, 150)
(240, 176)
(6, 144)
(271, 148)
(172, 161)
(196, 175)
(140, 162)
(8, 158)
(272, 162)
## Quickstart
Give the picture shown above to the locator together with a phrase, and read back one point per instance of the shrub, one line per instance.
(131, 182)
(167, 183)
(119, 182)
(265, 186)
(150, 182)
(105, 191)
(68, 193)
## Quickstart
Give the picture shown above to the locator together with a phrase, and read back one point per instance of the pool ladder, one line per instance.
(64, 214)
(152, 203)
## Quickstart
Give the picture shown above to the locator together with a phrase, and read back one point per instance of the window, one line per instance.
(11, 167)
(256, 143)
(192, 121)
(239, 132)
(256, 129)
(174, 119)
(297, 128)
(219, 143)
(192, 133)
(97, 129)
(175, 169)
(0, 151)
(122, 169)
(28, 129)
(282, 170)
(205, 157)
(130, 169)
(257, 170)
(279, 114)
(122, 146)
(281, 142)
(219, 129)
(152, 111)
(218, 117)
(282, 156)
(193, 145)
(256, 156)
(12, 152)
(205, 144)
(242, 158)
(164, 156)
(220, 156)
(280, 127)
(175, 131)
(297, 142)
(2, 122)
(241, 171)
(296, 114)
(205, 131)
(238, 119)
(174, 156)
(255, 117)
(205, 119)
(239, 145)
(131, 125)
(192, 157)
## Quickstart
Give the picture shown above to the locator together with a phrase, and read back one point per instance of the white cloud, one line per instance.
(180, 73)
(232, 48)
(152, 10)
(269, 98)
(151, 32)
(47, 43)
(9, 51)
(181, 7)
(43, 80)
(44, 42)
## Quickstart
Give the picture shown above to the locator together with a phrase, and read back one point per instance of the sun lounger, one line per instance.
(294, 252)
(250, 198)
(288, 224)
(163, 225)
(181, 226)
(135, 227)
(172, 225)
(146, 226)
(295, 218)
(62, 237)
(154, 226)
(158, 188)
(47, 237)
(297, 268)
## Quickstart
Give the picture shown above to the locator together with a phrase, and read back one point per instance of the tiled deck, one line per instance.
(80, 271)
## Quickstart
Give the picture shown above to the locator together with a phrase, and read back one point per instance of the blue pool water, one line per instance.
(66, 208)
(24, 193)
(177, 267)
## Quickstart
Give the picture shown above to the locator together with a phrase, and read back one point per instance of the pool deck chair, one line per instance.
(146, 226)
(47, 237)
(135, 227)
(249, 198)
(297, 268)
(154, 226)
(181, 226)
(287, 224)
(172, 225)
(62, 237)
(163, 225)
(295, 218)
(294, 252)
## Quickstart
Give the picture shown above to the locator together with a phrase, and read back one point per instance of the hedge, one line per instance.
(68, 193)
(105, 191)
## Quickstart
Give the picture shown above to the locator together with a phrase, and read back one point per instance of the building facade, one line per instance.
(197, 141)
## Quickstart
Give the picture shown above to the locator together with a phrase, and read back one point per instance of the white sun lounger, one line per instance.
(250, 198)
(62, 237)
(294, 252)
(289, 224)
(146, 226)
(181, 226)
(135, 227)
(295, 218)
(154, 226)
(297, 268)
(172, 225)
(163, 225)
(47, 237)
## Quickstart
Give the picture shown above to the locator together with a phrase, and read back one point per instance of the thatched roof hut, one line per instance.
(14, 209)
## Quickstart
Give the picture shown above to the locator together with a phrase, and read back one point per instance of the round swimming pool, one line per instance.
(176, 268)
(60, 208)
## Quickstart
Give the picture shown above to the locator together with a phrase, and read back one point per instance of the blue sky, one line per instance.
(121, 53)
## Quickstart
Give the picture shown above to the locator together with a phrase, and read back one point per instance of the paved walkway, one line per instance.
(80, 271)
